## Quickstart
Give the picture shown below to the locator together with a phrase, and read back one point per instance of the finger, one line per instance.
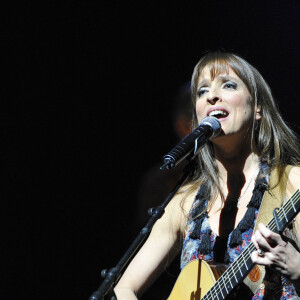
(268, 259)
(261, 242)
(265, 260)
(273, 238)
(254, 241)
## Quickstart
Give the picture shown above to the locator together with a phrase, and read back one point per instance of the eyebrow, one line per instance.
(222, 77)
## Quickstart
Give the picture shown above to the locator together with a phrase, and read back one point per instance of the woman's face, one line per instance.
(227, 98)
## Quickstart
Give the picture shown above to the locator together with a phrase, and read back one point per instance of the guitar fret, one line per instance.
(231, 269)
(245, 263)
(229, 277)
(222, 293)
(240, 269)
(219, 287)
(236, 278)
(230, 283)
(293, 206)
(225, 285)
(289, 210)
(285, 214)
(216, 293)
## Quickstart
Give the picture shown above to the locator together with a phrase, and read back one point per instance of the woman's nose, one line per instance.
(213, 97)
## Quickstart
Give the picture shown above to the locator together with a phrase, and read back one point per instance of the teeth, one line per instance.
(217, 112)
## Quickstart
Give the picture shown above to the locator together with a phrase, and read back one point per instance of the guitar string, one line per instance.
(235, 265)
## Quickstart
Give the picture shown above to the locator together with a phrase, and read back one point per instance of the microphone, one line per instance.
(209, 127)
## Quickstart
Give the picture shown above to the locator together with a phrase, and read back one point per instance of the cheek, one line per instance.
(249, 109)
(244, 106)
(200, 110)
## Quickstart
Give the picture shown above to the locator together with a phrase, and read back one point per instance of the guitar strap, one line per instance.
(272, 198)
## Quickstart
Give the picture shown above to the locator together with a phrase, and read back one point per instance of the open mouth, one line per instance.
(219, 114)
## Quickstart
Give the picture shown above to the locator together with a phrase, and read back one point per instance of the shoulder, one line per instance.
(293, 182)
(295, 171)
(294, 175)
(188, 194)
(181, 204)
(292, 185)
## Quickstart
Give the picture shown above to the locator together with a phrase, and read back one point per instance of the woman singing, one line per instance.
(212, 217)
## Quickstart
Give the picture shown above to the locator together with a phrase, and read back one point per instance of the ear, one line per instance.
(258, 113)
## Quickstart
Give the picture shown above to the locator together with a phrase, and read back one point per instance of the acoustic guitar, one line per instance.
(203, 280)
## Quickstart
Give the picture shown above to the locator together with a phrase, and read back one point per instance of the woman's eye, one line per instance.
(201, 92)
(230, 85)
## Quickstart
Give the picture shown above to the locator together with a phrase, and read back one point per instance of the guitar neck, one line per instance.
(242, 266)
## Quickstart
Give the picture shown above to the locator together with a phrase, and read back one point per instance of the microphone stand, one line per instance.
(112, 275)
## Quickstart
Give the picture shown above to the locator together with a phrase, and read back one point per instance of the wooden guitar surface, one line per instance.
(195, 280)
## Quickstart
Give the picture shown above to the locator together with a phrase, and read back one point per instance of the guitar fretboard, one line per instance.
(242, 266)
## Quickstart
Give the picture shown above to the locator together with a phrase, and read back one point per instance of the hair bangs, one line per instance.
(217, 67)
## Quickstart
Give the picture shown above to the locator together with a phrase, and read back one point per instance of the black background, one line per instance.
(85, 112)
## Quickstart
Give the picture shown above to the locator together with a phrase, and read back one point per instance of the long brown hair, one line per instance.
(275, 142)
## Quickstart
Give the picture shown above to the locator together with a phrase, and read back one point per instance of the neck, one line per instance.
(236, 158)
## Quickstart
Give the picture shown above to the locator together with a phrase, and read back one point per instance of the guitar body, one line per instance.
(196, 279)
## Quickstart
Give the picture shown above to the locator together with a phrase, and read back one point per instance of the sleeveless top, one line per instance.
(199, 241)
